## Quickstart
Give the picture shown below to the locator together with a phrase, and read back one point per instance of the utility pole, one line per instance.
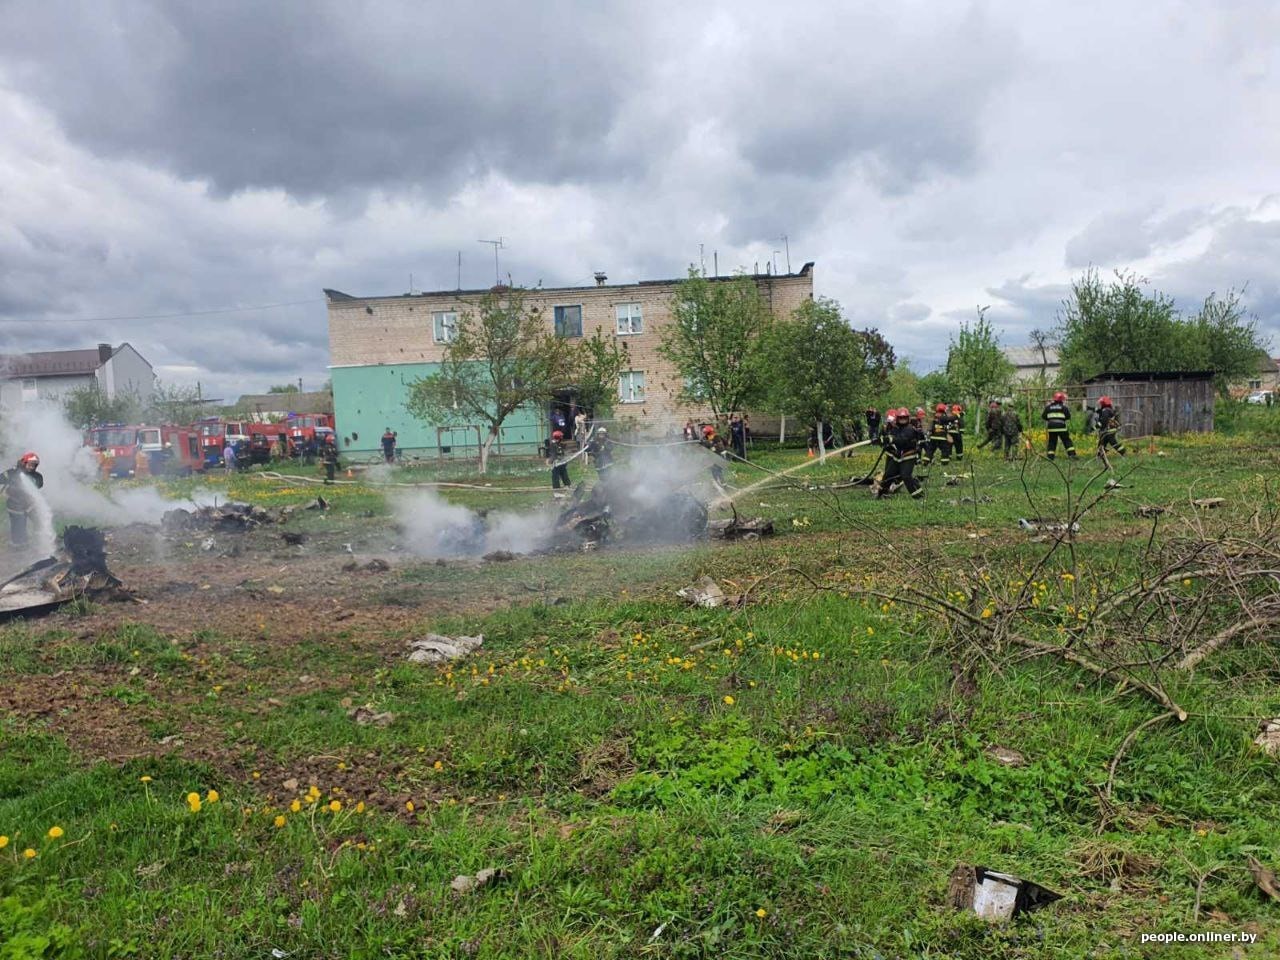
(786, 243)
(775, 262)
(459, 269)
(702, 260)
(499, 244)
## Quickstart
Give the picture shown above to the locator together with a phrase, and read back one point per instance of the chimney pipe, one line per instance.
(104, 352)
(600, 278)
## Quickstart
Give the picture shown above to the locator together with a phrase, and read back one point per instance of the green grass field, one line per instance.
(793, 777)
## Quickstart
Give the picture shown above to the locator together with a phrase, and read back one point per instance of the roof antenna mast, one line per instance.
(499, 244)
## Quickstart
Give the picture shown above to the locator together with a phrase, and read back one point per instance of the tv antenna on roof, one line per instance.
(499, 244)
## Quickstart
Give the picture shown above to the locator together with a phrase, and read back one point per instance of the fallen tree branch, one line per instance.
(1127, 741)
(1222, 638)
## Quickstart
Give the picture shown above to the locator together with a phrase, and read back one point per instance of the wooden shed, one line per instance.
(1157, 403)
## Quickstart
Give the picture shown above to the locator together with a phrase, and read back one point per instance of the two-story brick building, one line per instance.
(380, 345)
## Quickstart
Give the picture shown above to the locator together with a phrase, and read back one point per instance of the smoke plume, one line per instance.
(641, 489)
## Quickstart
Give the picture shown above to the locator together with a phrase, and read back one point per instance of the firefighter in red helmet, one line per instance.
(555, 460)
(1107, 423)
(20, 485)
(902, 450)
(1057, 418)
(939, 437)
(955, 431)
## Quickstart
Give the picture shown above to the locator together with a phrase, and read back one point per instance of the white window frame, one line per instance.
(627, 384)
(555, 326)
(444, 330)
(630, 319)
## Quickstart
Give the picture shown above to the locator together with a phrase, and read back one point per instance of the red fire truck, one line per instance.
(128, 450)
(215, 433)
(304, 427)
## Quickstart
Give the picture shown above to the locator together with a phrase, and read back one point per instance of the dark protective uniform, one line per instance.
(955, 433)
(902, 450)
(329, 456)
(873, 425)
(940, 437)
(389, 446)
(559, 471)
(601, 451)
(19, 501)
(738, 433)
(1107, 421)
(1011, 431)
(994, 425)
(1057, 417)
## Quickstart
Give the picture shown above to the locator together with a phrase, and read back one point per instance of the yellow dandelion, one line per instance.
(295, 806)
(360, 807)
(1068, 576)
(212, 796)
(335, 806)
(144, 779)
(871, 631)
(728, 700)
(256, 775)
(1186, 582)
(408, 805)
(987, 613)
(279, 820)
(761, 912)
(29, 853)
(193, 801)
(55, 832)
(4, 841)
(437, 765)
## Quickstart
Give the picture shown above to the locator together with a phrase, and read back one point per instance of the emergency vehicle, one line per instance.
(117, 448)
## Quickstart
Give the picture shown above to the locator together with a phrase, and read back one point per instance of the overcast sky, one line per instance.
(163, 158)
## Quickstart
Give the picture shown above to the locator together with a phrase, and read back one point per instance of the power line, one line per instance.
(166, 316)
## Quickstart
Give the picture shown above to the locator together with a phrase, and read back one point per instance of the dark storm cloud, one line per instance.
(327, 97)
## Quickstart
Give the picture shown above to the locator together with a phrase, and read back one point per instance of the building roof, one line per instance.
(1029, 356)
(50, 363)
(337, 296)
(1269, 365)
(1151, 376)
(294, 402)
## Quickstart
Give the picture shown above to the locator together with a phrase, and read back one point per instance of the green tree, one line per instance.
(821, 370)
(1119, 326)
(936, 387)
(89, 405)
(283, 388)
(596, 366)
(976, 366)
(502, 357)
(903, 389)
(177, 403)
(711, 341)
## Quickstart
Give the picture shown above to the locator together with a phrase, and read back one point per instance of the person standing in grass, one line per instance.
(955, 432)
(229, 458)
(389, 445)
(1011, 431)
(20, 485)
(1107, 421)
(1057, 417)
(555, 460)
(994, 425)
(738, 435)
(330, 458)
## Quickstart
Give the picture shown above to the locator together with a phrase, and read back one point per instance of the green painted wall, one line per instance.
(367, 400)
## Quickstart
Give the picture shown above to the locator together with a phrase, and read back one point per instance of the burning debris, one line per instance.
(230, 517)
(80, 570)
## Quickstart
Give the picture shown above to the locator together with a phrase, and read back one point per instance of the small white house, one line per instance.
(48, 375)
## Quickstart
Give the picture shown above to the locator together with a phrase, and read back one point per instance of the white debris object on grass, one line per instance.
(704, 592)
(435, 648)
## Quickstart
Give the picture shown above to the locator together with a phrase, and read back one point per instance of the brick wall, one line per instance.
(399, 330)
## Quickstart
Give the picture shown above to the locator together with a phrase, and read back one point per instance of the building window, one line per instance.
(30, 391)
(568, 321)
(1255, 384)
(444, 326)
(631, 386)
(629, 318)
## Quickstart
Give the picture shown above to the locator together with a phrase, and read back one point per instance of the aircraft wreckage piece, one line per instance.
(79, 570)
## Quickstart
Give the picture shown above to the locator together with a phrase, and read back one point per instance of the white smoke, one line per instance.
(41, 538)
(642, 481)
(70, 469)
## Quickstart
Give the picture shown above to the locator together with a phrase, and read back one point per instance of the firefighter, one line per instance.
(715, 443)
(1011, 431)
(601, 449)
(20, 485)
(904, 440)
(1107, 421)
(955, 432)
(555, 454)
(939, 435)
(889, 475)
(389, 445)
(994, 426)
(1057, 417)
(873, 424)
(329, 457)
